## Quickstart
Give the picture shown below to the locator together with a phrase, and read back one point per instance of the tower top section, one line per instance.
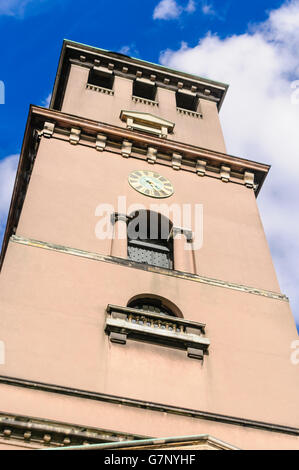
(106, 86)
(108, 63)
(125, 106)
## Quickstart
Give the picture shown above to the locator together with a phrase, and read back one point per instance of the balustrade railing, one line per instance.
(124, 323)
(139, 99)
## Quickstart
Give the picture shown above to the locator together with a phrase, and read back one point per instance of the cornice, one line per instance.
(192, 152)
(38, 432)
(154, 269)
(164, 443)
(151, 406)
(88, 56)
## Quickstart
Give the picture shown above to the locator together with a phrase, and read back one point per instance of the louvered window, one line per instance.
(155, 251)
(148, 253)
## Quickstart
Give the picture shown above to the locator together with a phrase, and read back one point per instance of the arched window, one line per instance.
(154, 304)
(154, 319)
(149, 239)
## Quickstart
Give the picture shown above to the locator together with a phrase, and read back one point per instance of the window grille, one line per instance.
(155, 251)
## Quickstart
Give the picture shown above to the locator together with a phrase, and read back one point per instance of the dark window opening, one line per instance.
(101, 79)
(151, 305)
(149, 239)
(144, 90)
(186, 101)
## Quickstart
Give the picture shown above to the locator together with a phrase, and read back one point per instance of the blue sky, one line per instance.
(250, 45)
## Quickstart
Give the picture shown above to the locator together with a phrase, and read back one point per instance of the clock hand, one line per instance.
(153, 185)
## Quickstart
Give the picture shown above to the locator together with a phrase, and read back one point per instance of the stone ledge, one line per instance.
(56, 434)
(163, 271)
(151, 406)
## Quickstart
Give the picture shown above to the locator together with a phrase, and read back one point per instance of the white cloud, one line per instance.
(207, 9)
(259, 120)
(46, 102)
(190, 7)
(8, 168)
(124, 50)
(130, 50)
(13, 7)
(166, 10)
(170, 9)
(21, 8)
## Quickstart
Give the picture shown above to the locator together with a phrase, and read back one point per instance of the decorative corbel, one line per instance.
(75, 135)
(116, 216)
(119, 338)
(101, 142)
(130, 122)
(225, 173)
(126, 148)
(48, 129)
(249, 179)
(151, 154)
(195, 353)
(201, 167)
(188, 234)
(164, 132)
(185, 231)
(176, 161)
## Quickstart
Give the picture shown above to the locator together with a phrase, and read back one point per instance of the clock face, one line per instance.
(150, 183)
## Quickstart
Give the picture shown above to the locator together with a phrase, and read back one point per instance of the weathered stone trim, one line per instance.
(124, 323)
(151, 406)
(163, 271)
(205, 441)
(100, 89)
(154, 155)
(43, 432)
(67, 121)
(138, 99)
(187, 112)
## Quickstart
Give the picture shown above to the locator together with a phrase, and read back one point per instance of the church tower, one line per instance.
(138, 299)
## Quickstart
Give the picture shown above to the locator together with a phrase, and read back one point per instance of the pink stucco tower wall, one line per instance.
(78, 363)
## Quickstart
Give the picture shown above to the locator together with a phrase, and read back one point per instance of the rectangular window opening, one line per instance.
(186, 101)
(101, 79)
(144, 90)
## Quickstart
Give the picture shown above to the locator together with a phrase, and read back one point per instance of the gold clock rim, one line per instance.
(149, 195)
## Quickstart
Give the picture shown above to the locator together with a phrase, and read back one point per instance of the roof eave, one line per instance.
(67, 44)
